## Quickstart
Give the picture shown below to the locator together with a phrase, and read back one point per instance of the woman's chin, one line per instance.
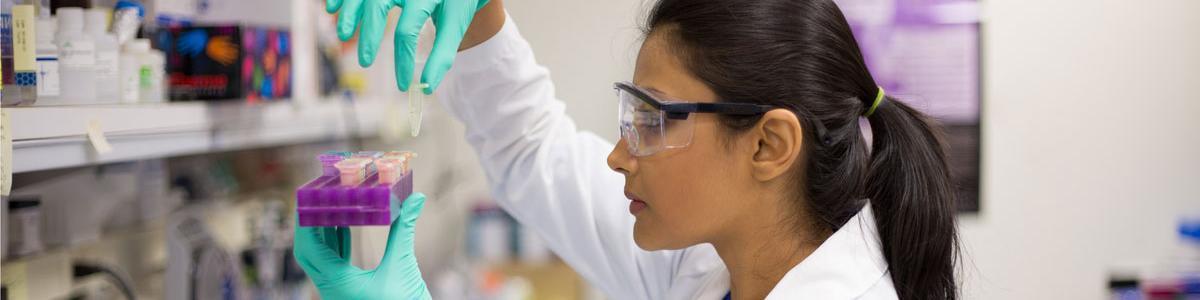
(642, 238)
(653, 241)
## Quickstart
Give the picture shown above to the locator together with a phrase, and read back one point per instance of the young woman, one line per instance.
(742, 170)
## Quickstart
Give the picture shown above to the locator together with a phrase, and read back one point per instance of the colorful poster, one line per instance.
(926, 53)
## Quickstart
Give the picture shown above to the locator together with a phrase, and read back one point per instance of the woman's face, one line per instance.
(685, 196)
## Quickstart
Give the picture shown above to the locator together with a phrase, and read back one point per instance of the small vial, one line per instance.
(352, 170)
(416, 106)
(389, 170)
(404, 156)
(342, 154)
(329, 161)
(369, 154)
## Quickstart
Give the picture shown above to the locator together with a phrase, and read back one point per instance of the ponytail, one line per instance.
(909, 185)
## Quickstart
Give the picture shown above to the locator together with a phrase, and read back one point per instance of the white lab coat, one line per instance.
(553, 178)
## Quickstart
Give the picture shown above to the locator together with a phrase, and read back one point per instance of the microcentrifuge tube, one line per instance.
(416, 105)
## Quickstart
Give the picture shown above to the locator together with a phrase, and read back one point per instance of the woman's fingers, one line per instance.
(312, 249)
(400, 236)
(412, 18)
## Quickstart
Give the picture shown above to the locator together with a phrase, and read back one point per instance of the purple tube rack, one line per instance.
(325, 202)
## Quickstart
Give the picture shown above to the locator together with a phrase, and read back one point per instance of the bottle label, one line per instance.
(130, 77)
(145, 77)
(130, 86)
(47, 76)
(107, 64)
(6, 48)
(24, 45)
(77, 54)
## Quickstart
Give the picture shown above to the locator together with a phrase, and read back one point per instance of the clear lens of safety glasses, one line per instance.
(646, 130)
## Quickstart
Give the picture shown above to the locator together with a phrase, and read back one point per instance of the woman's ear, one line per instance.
(779, 137)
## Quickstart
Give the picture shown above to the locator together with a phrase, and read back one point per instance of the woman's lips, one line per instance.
(635, 205)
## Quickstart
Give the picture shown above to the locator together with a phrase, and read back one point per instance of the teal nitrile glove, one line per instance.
(451, 17)
(324, 254)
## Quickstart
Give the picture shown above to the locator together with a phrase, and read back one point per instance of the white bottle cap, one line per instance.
(138, 45)
(70, 19)
(97, 21)
(45, 30)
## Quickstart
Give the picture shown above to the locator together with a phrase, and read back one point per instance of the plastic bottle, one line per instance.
(107, 56)
(43, 7)
(76, 57)
(47, 62)
(130, 73)
(157, 67)
(127, 19)
(151, 66)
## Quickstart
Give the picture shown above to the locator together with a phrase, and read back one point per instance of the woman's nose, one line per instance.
(620, 160)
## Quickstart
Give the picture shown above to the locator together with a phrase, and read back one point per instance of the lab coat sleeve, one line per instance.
(545, 172)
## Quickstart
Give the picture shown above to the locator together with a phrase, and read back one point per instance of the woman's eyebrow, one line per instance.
(654, 91)
(658, 95)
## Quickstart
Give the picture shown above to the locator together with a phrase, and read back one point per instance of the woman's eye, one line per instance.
(644, 120)
(650, 123)
(647, 122)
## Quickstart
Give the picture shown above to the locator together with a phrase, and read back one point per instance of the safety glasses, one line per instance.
(650, 125)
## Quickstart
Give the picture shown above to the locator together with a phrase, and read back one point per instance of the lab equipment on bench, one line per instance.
(198, 267)
(356, 189)
(24, 225)
(1174, 277)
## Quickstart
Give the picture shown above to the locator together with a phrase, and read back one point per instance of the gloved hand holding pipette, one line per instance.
(451, 17)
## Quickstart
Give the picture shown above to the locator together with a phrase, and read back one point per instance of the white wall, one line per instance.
(1090, 143)
(1092, 125)
(587, 45)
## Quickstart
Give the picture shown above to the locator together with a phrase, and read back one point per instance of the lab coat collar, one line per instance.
(845, 266)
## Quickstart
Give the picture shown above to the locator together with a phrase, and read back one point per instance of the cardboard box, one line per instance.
(231, 62)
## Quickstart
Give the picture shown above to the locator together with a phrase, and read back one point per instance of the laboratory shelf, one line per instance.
(51, 137)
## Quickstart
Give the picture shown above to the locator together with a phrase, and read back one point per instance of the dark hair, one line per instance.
(801, 55)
